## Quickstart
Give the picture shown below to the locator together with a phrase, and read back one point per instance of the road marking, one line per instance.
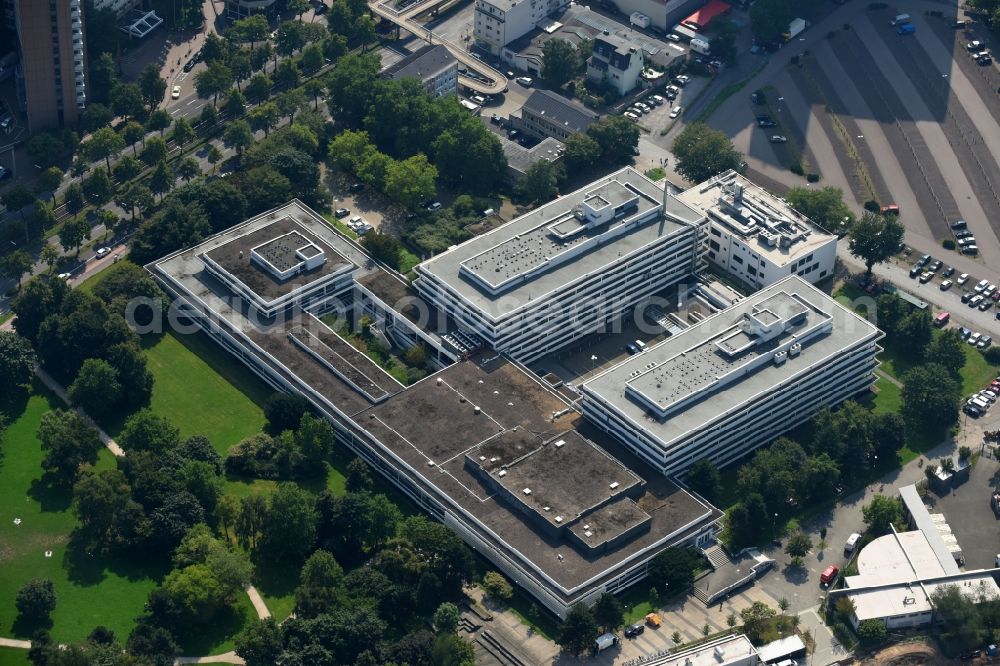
(192, 102)
(176, 109)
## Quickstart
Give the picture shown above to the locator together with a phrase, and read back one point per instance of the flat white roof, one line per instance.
(896, 558)
(909, 598)
(634, 388)
(764, 222)
(735, 649)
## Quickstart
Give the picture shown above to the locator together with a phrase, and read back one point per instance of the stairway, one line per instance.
(716, 556)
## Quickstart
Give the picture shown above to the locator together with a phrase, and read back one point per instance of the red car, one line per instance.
(829, 574)
(891, 209)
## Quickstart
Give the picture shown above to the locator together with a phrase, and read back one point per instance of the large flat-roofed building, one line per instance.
(756, 236)
(898, 573)
(434, 65)
(563, 270)
(736, 380)
(482, 444)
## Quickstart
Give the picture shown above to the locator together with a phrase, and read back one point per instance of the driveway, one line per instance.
(967, 509)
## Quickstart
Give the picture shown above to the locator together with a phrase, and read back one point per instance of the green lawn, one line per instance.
(89, 591)
(202, 390)
(99, 277)
(13, 657)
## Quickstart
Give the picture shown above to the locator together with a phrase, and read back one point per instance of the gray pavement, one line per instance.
(968, 512)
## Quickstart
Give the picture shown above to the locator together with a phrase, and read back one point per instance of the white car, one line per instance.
(946, 285)
(676, 111)
(674, 37)
(175, 93)
(524, 81)
(974, 338)
(981, 285)
(630, 115)
(102, 252)
(962, 279)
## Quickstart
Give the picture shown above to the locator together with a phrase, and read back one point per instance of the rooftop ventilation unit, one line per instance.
(558, 519)
(614, 484)
(561, 443)
(526, 491)
(795, 349)
(502, 472)
(719, 652)
(780, 358)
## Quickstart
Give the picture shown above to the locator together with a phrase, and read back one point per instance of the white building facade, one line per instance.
(500, 22)
(756, 237)
(736, 380)
(615, 63)
(560, 272)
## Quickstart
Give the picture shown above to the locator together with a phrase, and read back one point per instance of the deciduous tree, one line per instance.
(875, 238)
(703, 152)
(68, 442)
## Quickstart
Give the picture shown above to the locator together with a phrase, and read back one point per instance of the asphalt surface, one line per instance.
(911, 120)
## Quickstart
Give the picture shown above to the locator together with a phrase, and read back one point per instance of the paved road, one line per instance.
(920, 122)
(896, 271)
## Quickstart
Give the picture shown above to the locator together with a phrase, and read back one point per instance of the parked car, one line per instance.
(829, 574)
(974, 46)
(970, 249)
(890, 209)
(341, 212)
(676, 111)
(634, 630)
(630, 115)
(175, 93)
(926, 277)
(946, 285)
(975, 301)
(657, 99)
(985, 305)
(963, 278)
(524, 81)
(673, 37)
(964, 333)
(966, 296)
(983, 343)
(915, 271)
(959, 224)
(777, 138)
(433, 206)
(935, 266)
(926, 259)
(682, 80)
(948, 272)
(974, 338)
(102, 252)
(981, 285)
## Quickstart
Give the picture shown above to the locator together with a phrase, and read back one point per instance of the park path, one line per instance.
(225, 658)
(258, 602)
(54, 386)
(14, 643)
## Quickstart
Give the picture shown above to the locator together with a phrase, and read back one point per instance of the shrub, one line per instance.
(872, 206)
(948, 244)
(797, 169)
(812, 177)
(992, 355)
(496, 586)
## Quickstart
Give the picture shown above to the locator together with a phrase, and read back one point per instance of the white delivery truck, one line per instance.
(701, 46)
(795, 28)
(639, 19)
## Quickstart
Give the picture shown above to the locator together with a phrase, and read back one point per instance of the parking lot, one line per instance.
(967, 510)
(911, 120)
